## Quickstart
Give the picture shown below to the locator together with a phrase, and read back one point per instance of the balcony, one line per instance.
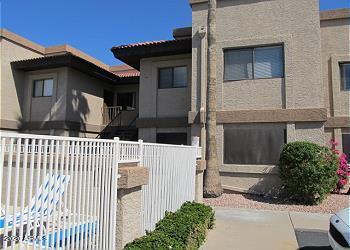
(110, 115)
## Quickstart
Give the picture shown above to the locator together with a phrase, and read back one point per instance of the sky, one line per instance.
(94, 26)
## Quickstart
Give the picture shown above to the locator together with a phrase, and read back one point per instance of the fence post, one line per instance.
(200, 167)
(114, 194)
(141, 152)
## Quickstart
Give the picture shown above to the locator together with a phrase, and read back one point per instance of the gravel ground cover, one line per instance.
(333, 203)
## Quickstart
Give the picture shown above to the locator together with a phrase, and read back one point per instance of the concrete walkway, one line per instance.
(245, 229)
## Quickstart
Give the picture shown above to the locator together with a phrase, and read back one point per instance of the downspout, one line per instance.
(202, 34)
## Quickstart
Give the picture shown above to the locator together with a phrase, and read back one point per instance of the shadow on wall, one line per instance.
(79, 109)
(19, 79)
(268, 185)
(260, 184)
(73, 109)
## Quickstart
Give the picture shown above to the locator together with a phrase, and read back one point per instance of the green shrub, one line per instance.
(184, 229)
(154, 240)
(308, 171)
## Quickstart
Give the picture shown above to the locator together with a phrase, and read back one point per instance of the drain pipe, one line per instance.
(202, 34)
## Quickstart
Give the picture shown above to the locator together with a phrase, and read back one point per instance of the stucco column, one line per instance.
(200, 167)
(338, 138)
(132, 178)
(291, 132)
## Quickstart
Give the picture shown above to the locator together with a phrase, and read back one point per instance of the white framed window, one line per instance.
(254, 63)
(172, 77)
(345, 75)
(43, 88)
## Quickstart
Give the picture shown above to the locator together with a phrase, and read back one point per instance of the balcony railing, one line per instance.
(109, 113)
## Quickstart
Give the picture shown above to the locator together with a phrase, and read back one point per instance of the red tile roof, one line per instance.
(124, 71)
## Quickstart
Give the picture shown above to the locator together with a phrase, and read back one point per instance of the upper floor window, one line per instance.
(43, 87)
(173, 77)
(345, 75)
(253, 63)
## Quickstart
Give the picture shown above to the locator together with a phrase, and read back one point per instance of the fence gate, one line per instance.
(172, 171)
(56, 192)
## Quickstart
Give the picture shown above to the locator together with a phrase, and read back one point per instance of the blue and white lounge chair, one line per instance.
(42, 203)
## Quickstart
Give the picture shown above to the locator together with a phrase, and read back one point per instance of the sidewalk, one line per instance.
(245, 229)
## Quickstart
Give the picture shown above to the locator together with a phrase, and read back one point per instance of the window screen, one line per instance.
(174, 77)
(38, 87)
(346, 145)
(254, 63)
(268, 62)
(253, 146)
(180, 77)
(48, 87)
(172, 138)
(238, 64)
(165, 78)
(345, 75)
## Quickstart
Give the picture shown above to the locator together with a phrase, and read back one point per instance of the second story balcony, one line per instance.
(109, 114)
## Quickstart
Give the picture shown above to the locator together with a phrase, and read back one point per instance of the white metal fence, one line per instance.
(61, 192)
(172, 171)
(56, 192)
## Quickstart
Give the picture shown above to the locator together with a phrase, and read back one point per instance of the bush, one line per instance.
(343, 171)
(154, 240)
(308, 171)
(184, 229)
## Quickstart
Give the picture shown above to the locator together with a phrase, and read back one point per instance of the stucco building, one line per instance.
(60, 90)
(283, 74)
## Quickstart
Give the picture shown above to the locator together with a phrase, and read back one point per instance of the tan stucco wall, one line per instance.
(154, 102)
(46, 108)
(12, 82)
(85, 98)
(335, 41)
(294, 24)
(249, 23)
(262, 179)
(148, 134)
(77, 97)
(18, 105)
(335, 35)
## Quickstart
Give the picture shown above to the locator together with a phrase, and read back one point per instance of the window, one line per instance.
(346, 145)
(175, 77)
(253, 63)
(253, 146)
(43, 87)
(126, 100)
(345, 75)
(172, 138)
